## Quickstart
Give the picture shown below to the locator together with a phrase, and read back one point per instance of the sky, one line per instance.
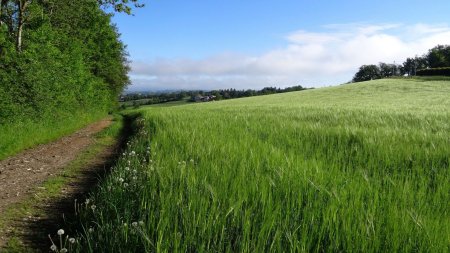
(250, 44)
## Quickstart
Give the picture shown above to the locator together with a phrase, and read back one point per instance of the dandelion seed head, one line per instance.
(60, 232)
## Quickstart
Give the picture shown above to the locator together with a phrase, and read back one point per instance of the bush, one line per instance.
(434, 72)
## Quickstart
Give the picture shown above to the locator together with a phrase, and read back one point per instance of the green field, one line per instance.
(355, 168)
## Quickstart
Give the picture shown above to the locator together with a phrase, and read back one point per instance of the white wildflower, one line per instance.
(93, 207)
(134, 224)
(121, 180)
(125, 185)
(63, 250)
(72, 240)
(53, 247)
(127, 168)
(60, 232)
(91, 230)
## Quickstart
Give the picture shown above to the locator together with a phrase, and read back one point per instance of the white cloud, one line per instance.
(308, 58)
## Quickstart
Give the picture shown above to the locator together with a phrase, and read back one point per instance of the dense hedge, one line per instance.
(70, 61)
(434, 72)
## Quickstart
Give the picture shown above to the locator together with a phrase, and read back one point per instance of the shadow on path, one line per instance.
(59, 212)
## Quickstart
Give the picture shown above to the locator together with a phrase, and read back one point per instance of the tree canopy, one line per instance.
(58, 57)
(437, 58)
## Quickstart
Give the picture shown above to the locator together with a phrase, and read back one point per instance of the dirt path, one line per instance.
(21, 174)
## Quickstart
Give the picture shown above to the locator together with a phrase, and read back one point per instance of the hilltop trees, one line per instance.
(437, 57)
(59, 57)
(366, 73)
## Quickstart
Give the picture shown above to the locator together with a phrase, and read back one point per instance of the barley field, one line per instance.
(354, 168)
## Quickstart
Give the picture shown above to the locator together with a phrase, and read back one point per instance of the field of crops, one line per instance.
(355, 168)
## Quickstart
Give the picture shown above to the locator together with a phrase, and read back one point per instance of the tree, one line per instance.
(366, 73)
(125, 6)
(439, 57)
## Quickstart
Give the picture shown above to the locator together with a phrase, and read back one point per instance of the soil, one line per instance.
(22, 174)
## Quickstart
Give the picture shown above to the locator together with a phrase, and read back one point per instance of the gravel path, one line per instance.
(22, 174)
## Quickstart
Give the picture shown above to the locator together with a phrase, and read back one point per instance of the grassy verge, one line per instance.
(52, 188)
(19, 136)
(356, 168)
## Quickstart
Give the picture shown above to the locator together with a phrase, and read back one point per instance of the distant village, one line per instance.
(137, 99)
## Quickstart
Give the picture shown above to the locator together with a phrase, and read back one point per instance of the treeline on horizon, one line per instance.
(59, 58)
(194, 95)
(435, 62)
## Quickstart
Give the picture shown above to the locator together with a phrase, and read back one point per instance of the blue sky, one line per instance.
(208, 44)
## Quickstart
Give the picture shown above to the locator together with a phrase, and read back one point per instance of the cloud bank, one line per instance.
(311, 59)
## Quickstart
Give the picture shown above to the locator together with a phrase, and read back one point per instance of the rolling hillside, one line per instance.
(359, 167)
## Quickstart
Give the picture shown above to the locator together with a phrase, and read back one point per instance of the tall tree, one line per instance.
(439, 56)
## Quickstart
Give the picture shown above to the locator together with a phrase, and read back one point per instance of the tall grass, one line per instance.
(356, 168)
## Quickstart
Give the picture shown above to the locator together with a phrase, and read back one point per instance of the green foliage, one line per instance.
(71, 61)
(434, 72)
(439, 57)
(366, 73)
(356, 168)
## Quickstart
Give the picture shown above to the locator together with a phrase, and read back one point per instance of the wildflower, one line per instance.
(121, 180)
(72, 240)
(63, 250)
(53, 247)
(127, 168)
(125, 185)
(91, 230)
(148, 152)
(150, 161)
(133, 153)
(87, 201)
(134, 224)
(60, 232)
(134, 171)
(129, 162)
(93, 207)
(125, 225)
(134, 178)
(141, 223)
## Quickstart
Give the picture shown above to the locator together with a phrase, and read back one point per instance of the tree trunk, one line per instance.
(2, 7)
(20, 22)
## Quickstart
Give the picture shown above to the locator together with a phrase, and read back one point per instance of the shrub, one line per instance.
(434, 72)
